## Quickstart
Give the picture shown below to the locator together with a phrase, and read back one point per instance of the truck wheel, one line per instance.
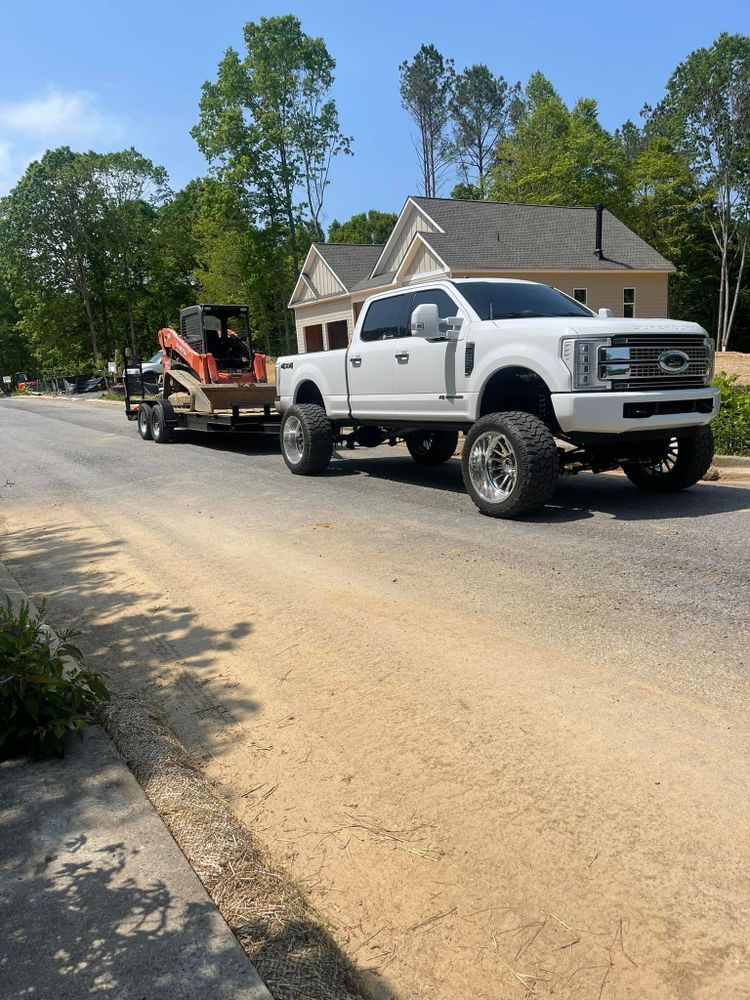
(684, 461)
(431, 447)
(306, 439)
(162, 422)
(144, 421)
(509, 464)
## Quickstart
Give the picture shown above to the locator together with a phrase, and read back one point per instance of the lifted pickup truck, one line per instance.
(538, 383)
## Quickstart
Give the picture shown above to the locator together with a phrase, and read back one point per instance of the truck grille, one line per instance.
(641, 370)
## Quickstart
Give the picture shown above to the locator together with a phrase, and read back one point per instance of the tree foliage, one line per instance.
(706, 111)
(269, 127)
(365, 227)
(481, 107)
(558, 156)
(426, 86)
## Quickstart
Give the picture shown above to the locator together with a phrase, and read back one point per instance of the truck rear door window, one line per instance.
(385, 319)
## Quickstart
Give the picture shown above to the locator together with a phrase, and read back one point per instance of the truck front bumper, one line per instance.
(625, 412)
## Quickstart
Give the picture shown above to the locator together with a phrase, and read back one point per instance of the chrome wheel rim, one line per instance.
(493, 468)
(142, 421)
(663, 466)
(294, 440)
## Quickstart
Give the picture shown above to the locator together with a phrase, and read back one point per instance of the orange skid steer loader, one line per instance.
(213, 379)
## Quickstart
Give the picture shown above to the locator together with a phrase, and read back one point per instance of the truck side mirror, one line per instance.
(425, 321)
(605, 314)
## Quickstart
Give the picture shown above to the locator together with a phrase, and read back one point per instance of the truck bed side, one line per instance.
(301, 378)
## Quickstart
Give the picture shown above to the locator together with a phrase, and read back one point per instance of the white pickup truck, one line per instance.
(537, 382)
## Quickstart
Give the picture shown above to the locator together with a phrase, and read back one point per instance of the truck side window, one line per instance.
(435, 296)
(386, 318)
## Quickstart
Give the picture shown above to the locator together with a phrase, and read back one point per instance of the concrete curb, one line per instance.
(130, 815)
(733, 467)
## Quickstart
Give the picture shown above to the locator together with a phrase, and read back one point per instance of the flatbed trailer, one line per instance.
(197, 393)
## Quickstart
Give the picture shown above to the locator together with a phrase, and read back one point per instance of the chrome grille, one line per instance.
(635, 361)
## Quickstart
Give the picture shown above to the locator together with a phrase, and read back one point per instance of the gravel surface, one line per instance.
(504, 729)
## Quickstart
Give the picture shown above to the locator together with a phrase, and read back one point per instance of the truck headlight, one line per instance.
(580, 357)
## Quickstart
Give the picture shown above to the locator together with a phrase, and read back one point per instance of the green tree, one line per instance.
(237, 262)
(426, 85)
(481, 107)
(268, 126)
(50, 231)
(706, 111)
(559, 156)
(15, 354)
(365, 227)
(133, 189)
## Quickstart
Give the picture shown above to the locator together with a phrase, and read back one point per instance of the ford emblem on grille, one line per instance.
(673, 362)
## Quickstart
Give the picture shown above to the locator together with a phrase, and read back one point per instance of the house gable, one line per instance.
(420, 260)
(317, 280)
(412, 220)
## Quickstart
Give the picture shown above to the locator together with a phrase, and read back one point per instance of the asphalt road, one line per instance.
(487, 748)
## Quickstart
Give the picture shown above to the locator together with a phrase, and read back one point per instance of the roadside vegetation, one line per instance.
(97, 251)
(732, 426)
(45, 693)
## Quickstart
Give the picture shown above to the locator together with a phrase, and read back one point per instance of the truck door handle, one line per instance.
(356, 361)
(402, 357)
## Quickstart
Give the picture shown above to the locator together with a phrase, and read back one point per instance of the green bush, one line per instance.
(732, 426)
(44, 692)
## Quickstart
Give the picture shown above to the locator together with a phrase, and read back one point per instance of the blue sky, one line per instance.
(109, 74)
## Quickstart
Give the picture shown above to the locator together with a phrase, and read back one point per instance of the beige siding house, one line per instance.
(446, 238)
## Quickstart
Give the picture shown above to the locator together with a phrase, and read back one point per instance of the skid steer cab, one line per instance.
(214, 343)
(212, 378)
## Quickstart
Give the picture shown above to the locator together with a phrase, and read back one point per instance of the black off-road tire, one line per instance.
(694, 456)
(431, 447)
(308, 444)
(144, 421)
(536, 461)
(162, 422)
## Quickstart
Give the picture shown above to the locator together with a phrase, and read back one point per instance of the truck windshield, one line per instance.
(516, 300)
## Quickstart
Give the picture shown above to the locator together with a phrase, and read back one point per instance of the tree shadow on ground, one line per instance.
(132, 634)
(84, 908)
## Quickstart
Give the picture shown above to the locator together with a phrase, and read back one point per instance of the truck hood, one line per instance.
(569, 326)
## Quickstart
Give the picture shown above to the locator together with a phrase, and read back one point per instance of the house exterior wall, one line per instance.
(604, 289)
(415, 222)
(322, 312)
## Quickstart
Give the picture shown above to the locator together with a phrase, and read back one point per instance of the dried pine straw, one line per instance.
(281, 933)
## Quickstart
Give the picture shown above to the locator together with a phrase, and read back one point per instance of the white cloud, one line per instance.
(54, 118)
(65, 118)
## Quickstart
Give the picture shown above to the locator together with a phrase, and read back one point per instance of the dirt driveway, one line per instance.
(506, 760)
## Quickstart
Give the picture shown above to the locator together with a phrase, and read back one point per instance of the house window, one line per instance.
(338, 335)
(314, 338)
(628, 302)
(579, 294)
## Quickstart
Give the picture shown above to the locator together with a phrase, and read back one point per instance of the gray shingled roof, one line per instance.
(351, 262)
(497, 235)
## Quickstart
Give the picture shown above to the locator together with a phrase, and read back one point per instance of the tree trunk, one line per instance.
(92, 328)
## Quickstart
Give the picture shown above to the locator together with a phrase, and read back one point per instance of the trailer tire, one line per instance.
(162, 422)
(431, 447)
(509, 464)
(144, 421)
(686, 460)
(306, 439)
